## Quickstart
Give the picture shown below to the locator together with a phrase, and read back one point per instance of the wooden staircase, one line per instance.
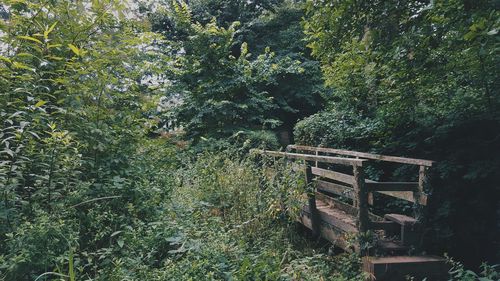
(338, 211)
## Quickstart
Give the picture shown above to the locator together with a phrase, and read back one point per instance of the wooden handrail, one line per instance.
(392, 186)
(308, 157)
(341, 177)
(371, 156)
(335, 188)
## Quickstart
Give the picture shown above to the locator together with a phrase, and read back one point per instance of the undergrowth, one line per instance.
(217, 217)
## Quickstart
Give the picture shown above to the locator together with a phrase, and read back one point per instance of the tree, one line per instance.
(421, 75)
(227, 89)
(71, 113)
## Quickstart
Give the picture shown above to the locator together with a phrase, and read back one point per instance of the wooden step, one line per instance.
(391, 247)
(334, 236)
(401, 219)
(337, 204)
(336, 218)
(400, 267)
(411, 229)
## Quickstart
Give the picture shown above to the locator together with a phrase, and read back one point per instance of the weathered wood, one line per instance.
(399, 267)
(392, 186)
(361, 198)
(401, 219)
(391, 247)
(422, 178)
(334, 188)
(345, 178)
(331, 218)
(371, 156)
(387, 226)
(337, 238)
(309, 157)
(418, 195)
(370, 199)
(406, 195)
(315, 218)
(411, 229)
(334, 218)
(334, 203)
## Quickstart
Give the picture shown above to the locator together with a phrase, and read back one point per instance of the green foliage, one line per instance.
(223, 87)
(337, 128)
(87, 193)
(227, 221)
(417, 78)
(281, 30)
(459, 273)
(222, 93)
(227, 12)
(394, 58)
(71, 121)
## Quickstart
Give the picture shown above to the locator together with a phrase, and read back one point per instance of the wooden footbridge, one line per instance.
(338, 210)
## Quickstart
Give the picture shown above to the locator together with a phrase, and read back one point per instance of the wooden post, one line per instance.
(417, 195)
(361, 202)
(315, 219)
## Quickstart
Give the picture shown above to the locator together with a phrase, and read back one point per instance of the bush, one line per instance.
(336, 128)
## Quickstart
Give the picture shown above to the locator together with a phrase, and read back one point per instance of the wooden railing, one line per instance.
(409, 191)
(354, 187)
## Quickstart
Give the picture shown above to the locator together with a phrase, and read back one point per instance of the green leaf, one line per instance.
(120, 243)
(71, 273)
(2, 58)
(74, 49)
(55, 58)
(40, 103)
(30, 39)
(19, 65)
(54, 46)
(48, 31)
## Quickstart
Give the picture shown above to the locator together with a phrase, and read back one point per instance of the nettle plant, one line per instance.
(71, 103)
(67, 77)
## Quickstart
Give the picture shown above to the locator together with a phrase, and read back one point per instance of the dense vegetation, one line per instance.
(125, 130)
(418, 78)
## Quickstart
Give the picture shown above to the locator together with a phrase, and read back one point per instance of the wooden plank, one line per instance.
(399, 267)
(309, 157)
(332, 220)
(403, 160)
(345, 178)
(334, 188)
(411, 229)
(392, 186)
(338, 239)
(334, 203)
(405, 195)
(401, 219)
(337, 204)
